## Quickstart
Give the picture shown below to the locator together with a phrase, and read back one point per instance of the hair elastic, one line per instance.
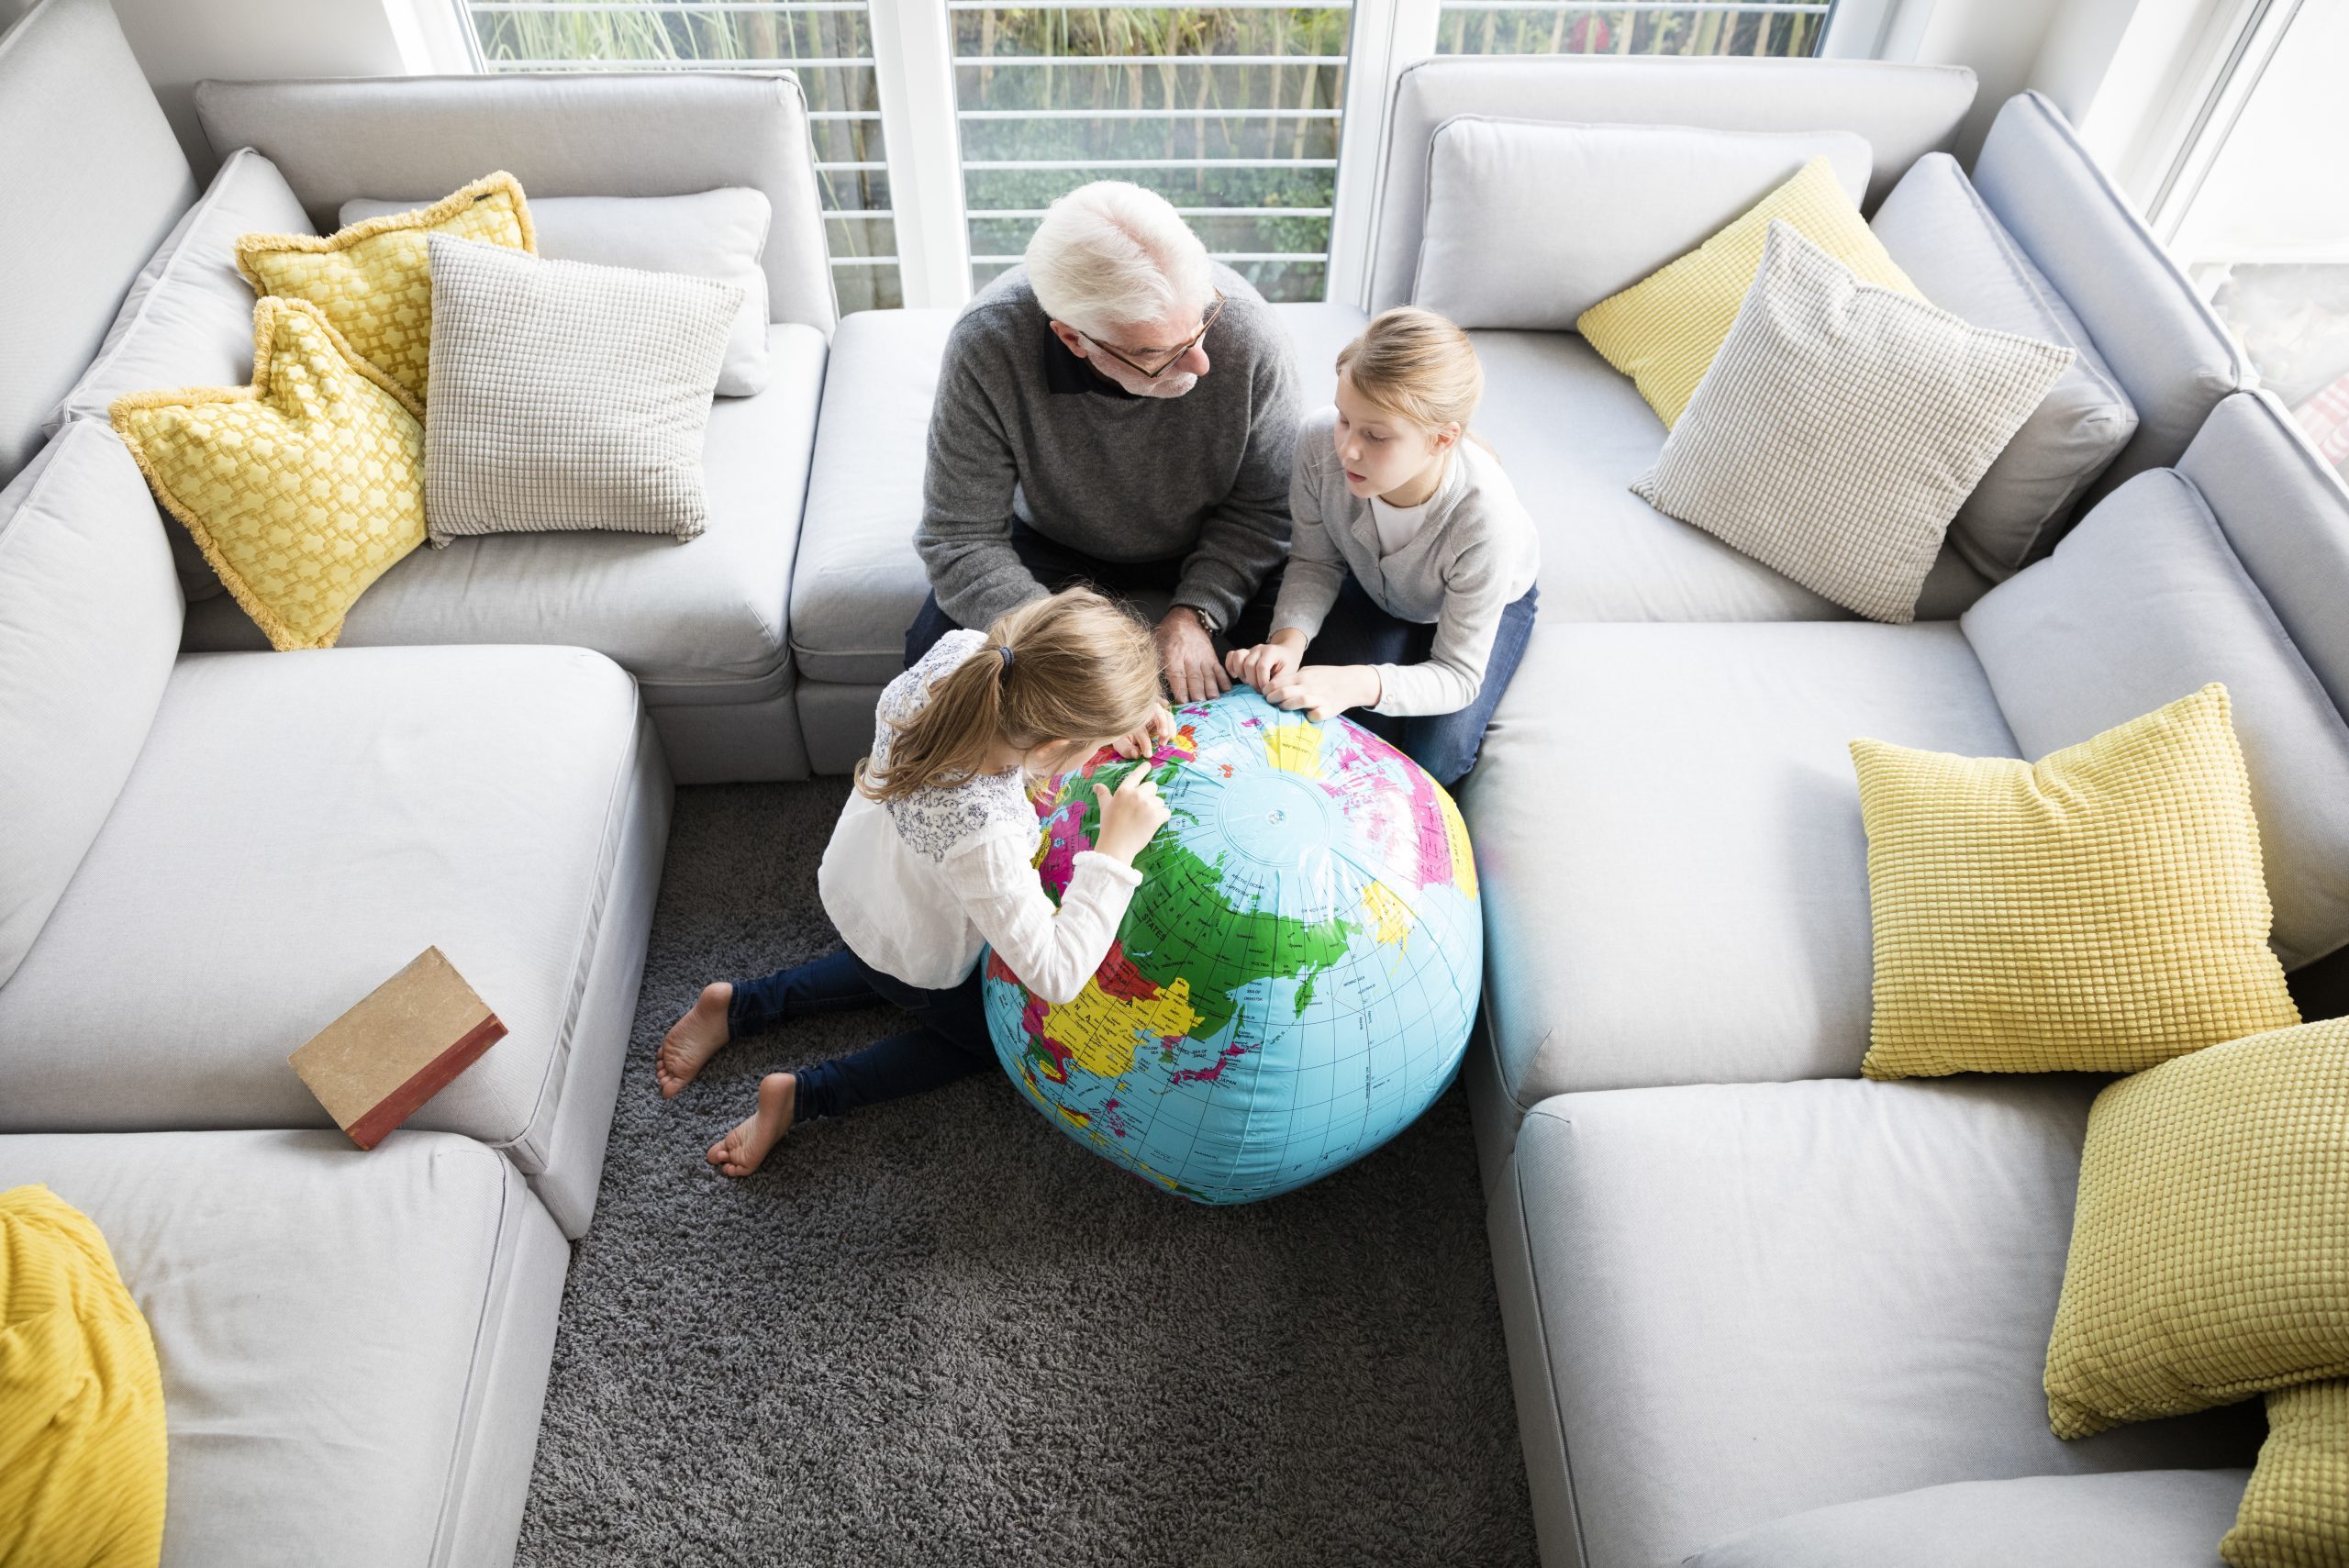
(1006, 651)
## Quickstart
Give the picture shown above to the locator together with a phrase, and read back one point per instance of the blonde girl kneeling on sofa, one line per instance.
(1410, 584)
(933, 857)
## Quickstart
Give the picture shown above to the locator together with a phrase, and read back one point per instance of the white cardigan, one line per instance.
(1475, 556)
(918, 887)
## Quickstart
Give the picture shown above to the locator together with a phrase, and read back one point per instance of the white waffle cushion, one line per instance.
(568, 395)
(1841, 425)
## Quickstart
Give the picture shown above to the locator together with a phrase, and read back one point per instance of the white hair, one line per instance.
(1110, 256)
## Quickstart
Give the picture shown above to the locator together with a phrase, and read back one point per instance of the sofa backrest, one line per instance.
(89, 629)
(576, 134)
(1904, 111)
(91, 181)
(2163, 344)
(2232, 567)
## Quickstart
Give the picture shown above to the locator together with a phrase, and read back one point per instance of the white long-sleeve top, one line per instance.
(920, 885)
(1471, 555)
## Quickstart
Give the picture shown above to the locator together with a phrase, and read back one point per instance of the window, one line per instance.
(1781, 28)
(828, 42)
(2257, 212)
(1230, 112)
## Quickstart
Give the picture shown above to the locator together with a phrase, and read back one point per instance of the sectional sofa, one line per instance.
(1757, 1308)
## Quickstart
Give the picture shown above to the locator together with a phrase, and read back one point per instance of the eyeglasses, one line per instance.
(1174, 357)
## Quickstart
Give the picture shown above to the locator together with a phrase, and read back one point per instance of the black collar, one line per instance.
(1064, 372)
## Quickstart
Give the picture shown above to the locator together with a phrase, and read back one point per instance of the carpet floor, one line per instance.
(941, 1333)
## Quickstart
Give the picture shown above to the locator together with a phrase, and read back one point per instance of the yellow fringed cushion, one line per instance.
(1664, 331)
(2295, 1513)
(373, 280)
(82, 1442)
(301, 489)
(2098, 911)
(2209, 1256)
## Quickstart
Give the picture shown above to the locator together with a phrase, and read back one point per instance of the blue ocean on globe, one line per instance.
(1295, 980)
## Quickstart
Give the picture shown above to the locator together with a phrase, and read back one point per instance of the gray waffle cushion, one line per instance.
(568, 395)
(1841, 425)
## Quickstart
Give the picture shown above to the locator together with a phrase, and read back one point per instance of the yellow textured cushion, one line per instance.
(373, 279)
(2100, 911)
(301, 489)
(1664, 331)
(2295, 1513)
(2209, 1255)
(82, 1442)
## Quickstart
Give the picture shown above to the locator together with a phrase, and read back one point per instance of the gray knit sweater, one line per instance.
(1022, 425)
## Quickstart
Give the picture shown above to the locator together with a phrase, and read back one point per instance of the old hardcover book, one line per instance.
(374, 1065)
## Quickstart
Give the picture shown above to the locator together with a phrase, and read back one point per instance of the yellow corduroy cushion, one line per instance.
(2209, 1256)
(2295, 1513)
(1664, 331)
(301, 489)
(373, 280)
(83, 1450)
(2098, 911)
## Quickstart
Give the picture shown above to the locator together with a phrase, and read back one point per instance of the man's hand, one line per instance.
(1186, 653)
(1144, 741)
(1325, 691)
(1264, 665)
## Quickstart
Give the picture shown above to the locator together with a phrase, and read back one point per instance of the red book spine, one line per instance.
(429, 1080)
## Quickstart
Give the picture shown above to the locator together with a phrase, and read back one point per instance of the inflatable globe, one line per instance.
(1293, 981)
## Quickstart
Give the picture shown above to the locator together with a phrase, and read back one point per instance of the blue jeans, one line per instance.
(1357, 631)
(951, 1042)
(1056, 566)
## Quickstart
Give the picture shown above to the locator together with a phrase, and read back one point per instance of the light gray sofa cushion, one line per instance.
(1951, 247)
(710, 234)
(568, 395)
(651, 133)
(188, 320)
(2285, 516)
(91, 182)
(2161, 342)
(2144, 602)
(354, 1345)
(297, 828)
(1904, 111)
(702, 623)
(1668, 835)
(1573, 435)
(89, 626)
(1755, 1300)
(2141, 1518)
(1531, 223)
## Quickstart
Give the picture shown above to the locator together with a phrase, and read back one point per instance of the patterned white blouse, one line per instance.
(920, 885)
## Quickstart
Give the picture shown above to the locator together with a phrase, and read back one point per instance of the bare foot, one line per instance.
(746, 1148)
(692, 1039)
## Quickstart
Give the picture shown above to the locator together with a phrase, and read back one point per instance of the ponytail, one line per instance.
(1072, 666)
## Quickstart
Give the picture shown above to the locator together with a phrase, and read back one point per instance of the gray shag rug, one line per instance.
(941, 1333)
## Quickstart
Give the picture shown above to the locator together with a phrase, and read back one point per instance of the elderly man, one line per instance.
(1117, 410)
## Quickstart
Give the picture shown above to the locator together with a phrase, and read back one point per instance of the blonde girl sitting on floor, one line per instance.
(932, 860)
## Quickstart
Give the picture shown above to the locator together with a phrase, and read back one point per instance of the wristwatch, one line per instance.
(1207, 622)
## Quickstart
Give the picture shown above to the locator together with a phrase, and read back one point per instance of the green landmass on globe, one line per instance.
(1293, 981)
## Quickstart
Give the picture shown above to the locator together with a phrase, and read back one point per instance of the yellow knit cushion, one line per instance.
(301, 489)
(1664, 331)
(2209, 1255)
(82, 1443)
(2295, 1513)
(2100, 911)
(373, 280)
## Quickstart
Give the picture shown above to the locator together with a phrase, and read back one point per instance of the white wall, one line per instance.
(181, 42)
(2000, 39)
